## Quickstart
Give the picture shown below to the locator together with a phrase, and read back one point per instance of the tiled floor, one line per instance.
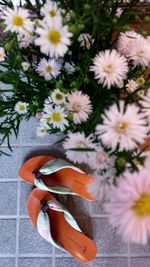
(21, 246)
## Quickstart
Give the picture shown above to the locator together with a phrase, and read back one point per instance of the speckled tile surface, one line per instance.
(20, 244)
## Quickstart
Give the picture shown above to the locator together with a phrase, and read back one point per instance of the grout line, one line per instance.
(7, 256)
(12, 145)
(90, 212)
(32, 145)
(5, 180)
(68, 256)
(53, 256)
(35, 255)
(10, 217)
(7, 217)
(18, 210)
(129, 257)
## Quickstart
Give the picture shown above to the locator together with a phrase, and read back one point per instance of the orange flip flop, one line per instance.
(56, 225)
(56, 176)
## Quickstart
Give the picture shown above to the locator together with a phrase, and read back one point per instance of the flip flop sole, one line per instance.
(76, 243)
(77, 182)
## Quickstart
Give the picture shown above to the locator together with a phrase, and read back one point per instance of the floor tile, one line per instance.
(24, 194)
(28, 134)
(30, 241)
(7, 236)
(108, 242)
(69, 262)
(37, 262)
(7, 262)
(8, 198)
(110, 262)
(9, 164)
(140, 262)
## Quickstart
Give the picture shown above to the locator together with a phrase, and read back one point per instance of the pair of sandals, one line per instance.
(52, 220)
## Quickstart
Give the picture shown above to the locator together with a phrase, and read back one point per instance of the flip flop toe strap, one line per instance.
(54, 189)
(53, 166)
(44, 223)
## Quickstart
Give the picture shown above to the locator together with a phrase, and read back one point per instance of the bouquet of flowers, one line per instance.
(81, 67)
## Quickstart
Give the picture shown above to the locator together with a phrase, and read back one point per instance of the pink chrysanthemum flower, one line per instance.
(145, 103)
(127, 40)
(129, 207)
(80, 106)
(123, 126)
(48, 68)
(110, 68)
(131, 86)
(139, 53)
(73, 143)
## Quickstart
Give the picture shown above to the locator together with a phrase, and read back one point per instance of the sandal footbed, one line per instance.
(76, 243)
(70, 178)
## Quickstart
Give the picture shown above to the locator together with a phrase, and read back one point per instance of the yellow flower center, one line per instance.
(76, 107)
(140, 81)
(59, 96)
(21, 107)
(82, 144)
(18, 21)
(42, 130)
(130, 42)
(140, 53)
(52, 13)
(122, 126)
(54, 36)
(1, 56)
(108, 68)
(36, 22)
(48, 69)
(142, 205)
(48, 120)
(56, 116)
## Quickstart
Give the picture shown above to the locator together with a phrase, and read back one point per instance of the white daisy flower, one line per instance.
(45, 120)
(129, 207)
(50, 9)
(77, 141)
(127, 40)
(139, 53)
(123, 126)
(99, 159)
(69, 67)
(58, 97)
(17, 20)
(145, 103)
(48, 68)
(2, 54)
(80, 106)
(25, 65)
(110, 68)
(21, 107)
(25, 40)
(85, 40)
(48, 105)
(131, 86)
(54, 38)
(58, 118)
(41, 131)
